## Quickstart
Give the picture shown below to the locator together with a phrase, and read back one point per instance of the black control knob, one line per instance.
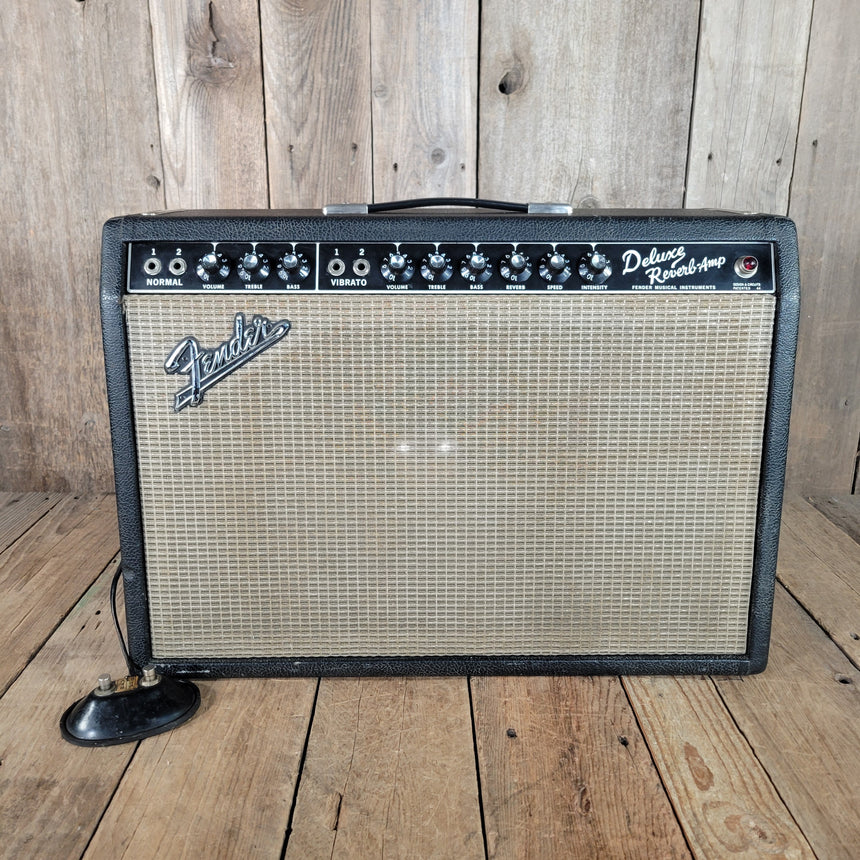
(254, 266)
(436, 267)
(251, 262)
(518, 262)
(557, 263)
(212, 266)
(515, 267)
(293, 267)
(476, 267)
(595, 267)
(476, 263)
(397, 268)
(555, 267)
(290, 261)
(396, 262)
(437, 262)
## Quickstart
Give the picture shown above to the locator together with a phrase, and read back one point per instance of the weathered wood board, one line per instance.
(231, 773)
(209, 81)
(316, 61)
(842, 511)
(800, 718)
(80, 144)
(565, 772)
(18, 511)
(424, 85)
(818, 565)
(746, 105)
(46, 570)
(722, 796)
(586, 102)
(824, 192)
(52, 794)
(390, 771)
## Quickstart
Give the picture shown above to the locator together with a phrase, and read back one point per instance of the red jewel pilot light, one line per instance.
(746, 267)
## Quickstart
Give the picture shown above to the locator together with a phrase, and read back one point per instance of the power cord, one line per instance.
(132, 669)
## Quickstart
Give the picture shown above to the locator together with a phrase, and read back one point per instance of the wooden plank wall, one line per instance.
(117, 107)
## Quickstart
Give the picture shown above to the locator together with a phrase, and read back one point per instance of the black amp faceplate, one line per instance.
(422, 267)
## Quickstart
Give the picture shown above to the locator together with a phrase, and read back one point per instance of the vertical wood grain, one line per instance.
(746, 105)
(316, 57)
(46, 570)
(53, 794)
(818, 565)
(800, 718)
(722, 796)
(210, 102)
(80, 144)
(842, 511)
(424, 83)
(565, 772)
(389, 772)
(19, 511)
(586, 102)
(824, 194)
(230, 775)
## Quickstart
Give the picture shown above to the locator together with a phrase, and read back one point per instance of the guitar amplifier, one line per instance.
(363, 441)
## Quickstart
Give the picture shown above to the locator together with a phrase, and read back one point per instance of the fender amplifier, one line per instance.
(363, 441)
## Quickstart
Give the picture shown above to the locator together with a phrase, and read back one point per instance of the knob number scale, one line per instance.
(417, 267)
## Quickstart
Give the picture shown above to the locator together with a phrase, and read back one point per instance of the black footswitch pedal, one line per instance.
(129, 709)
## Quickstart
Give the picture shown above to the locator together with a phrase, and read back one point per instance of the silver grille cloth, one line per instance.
(454, 475)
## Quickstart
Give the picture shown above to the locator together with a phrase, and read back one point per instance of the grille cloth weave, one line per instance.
(454, 475)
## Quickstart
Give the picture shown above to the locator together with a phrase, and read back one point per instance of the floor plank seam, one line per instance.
(45, 512)
(477, 162)
(846, 524)
(299, 771)
(760, 763)
(265, 107)
(477, 770)
(5, 689)
(393, 794)
(34, 523)
(110, 800)
(666, 791)
(820, 625)
(819, 557)
(693, 82)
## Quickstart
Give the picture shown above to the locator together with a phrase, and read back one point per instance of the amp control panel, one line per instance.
(423, 267)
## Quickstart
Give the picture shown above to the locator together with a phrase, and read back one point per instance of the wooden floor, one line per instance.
(767, 765)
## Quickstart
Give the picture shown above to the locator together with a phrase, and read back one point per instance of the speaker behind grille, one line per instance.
(455, 475)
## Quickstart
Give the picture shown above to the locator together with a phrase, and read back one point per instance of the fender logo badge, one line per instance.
(207, 367)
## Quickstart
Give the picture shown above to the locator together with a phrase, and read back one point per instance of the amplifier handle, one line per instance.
(422, 202)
